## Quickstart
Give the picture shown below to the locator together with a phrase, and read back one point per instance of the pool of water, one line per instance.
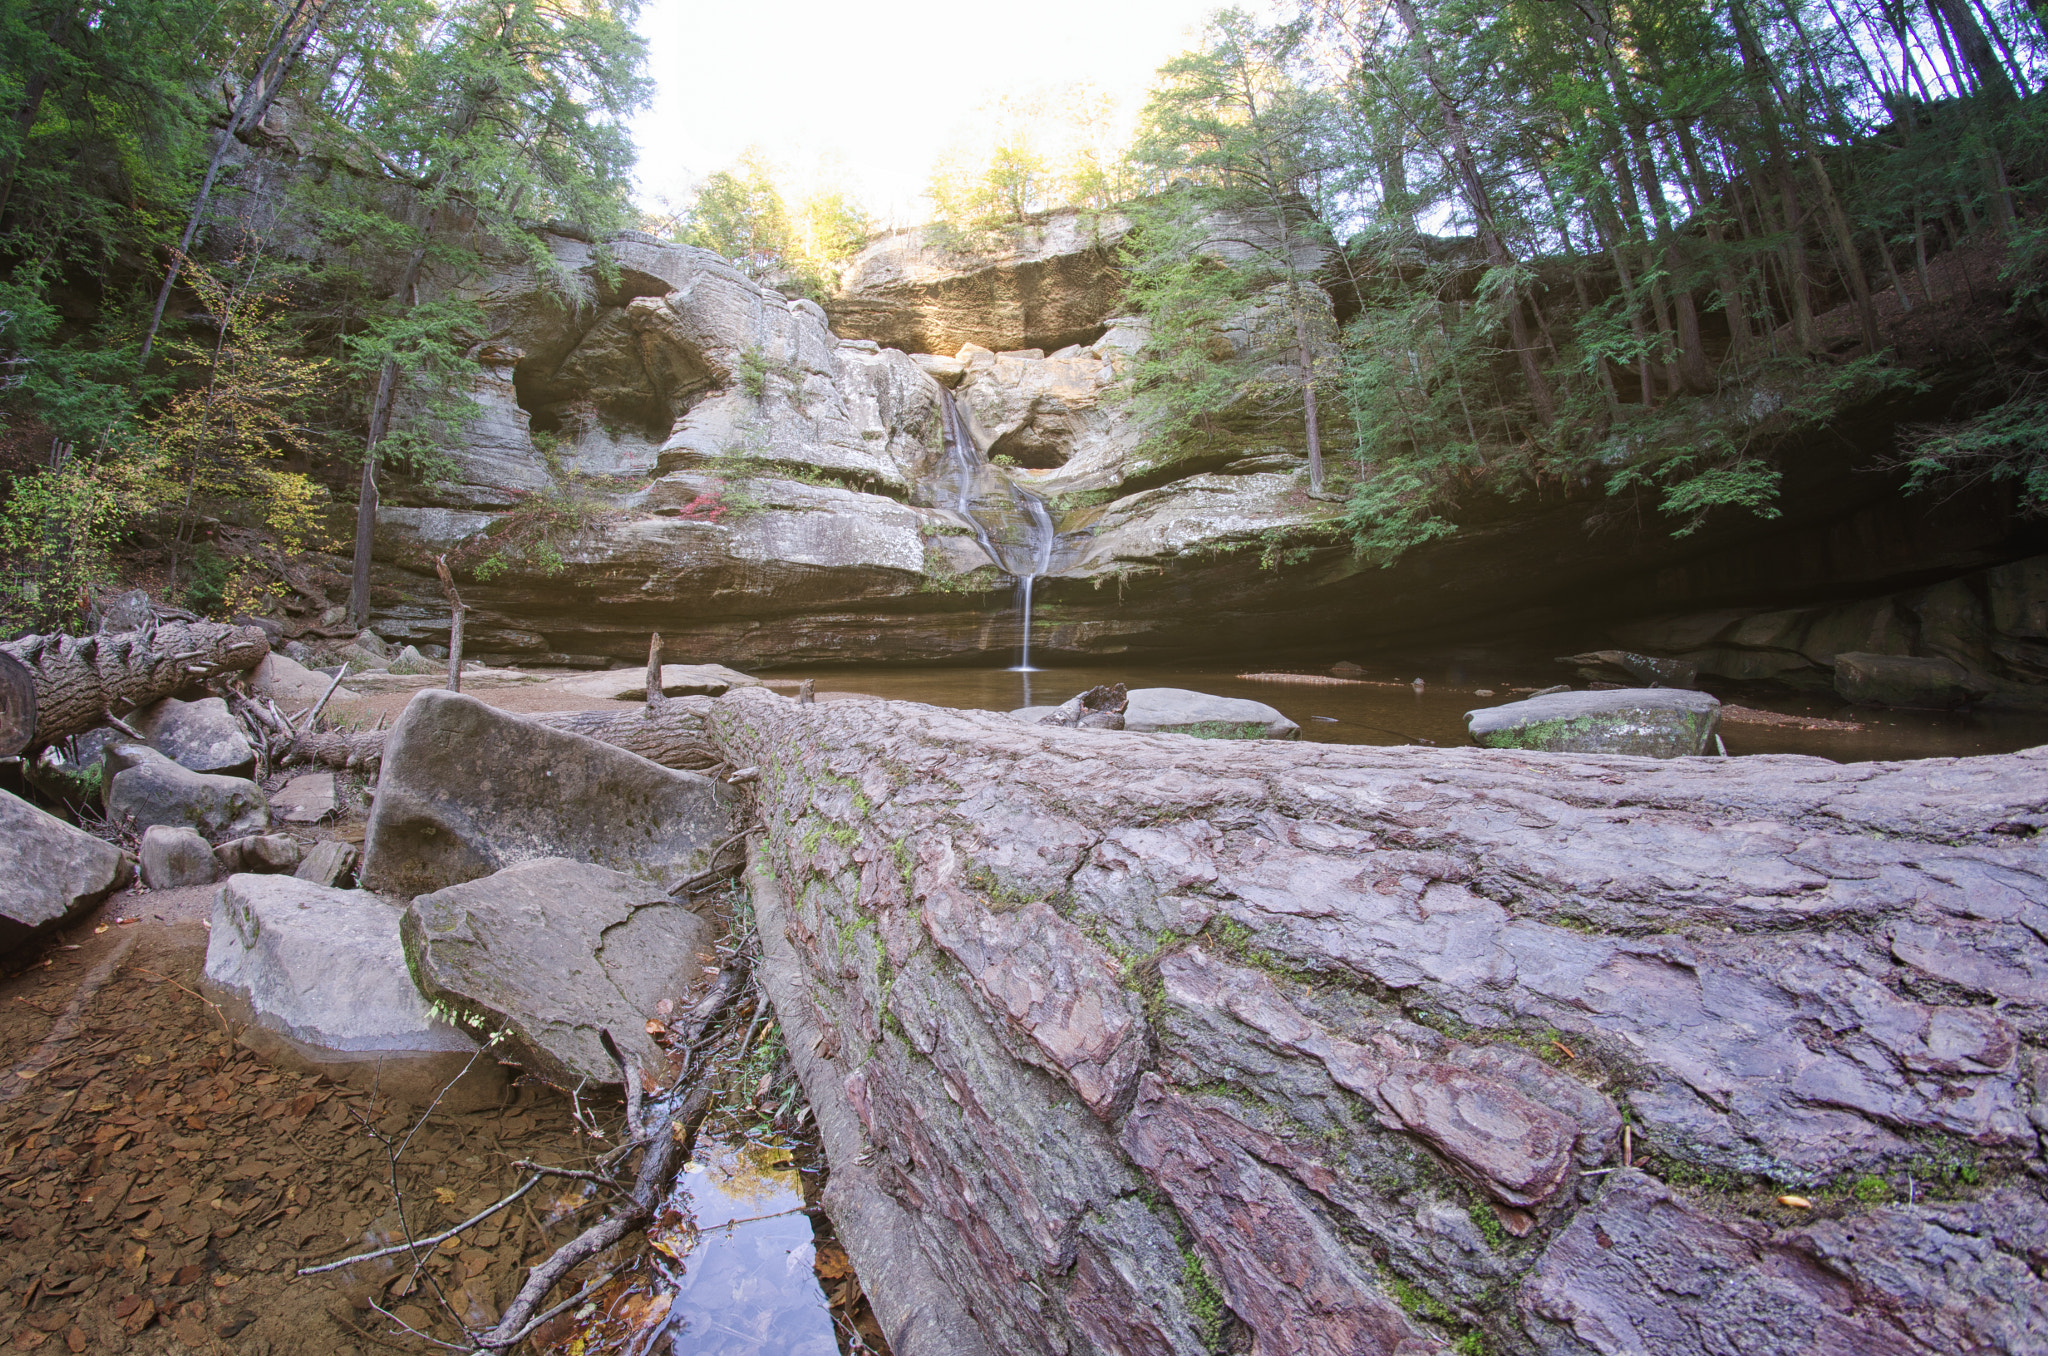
(1388, 708)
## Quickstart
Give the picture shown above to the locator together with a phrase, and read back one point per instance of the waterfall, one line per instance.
(1013, 526)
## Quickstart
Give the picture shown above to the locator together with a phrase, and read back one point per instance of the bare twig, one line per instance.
(442, 1237)
(321, 705)
(456, 613)
(124, 727)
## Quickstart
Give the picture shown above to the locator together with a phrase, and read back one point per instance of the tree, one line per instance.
(1235, 246)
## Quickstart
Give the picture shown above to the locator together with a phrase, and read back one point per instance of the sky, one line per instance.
(869, 92)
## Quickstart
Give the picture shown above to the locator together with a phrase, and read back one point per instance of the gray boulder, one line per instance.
(285, 678)
(1099, 708)
(53, 871)
(203, 736)
(465, 790)
(144, 786)
(1176, 710)
(556, 951)
(321, 973)
(172, 857)
(1653, 722)
(329, 863)
(410, 660)
(1902, 680)
(265, 852)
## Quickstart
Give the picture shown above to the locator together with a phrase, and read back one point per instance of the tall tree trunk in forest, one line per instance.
(1985, 67)
(32, 103)
(380, 419)
(251, 104)
(1734, 307)
(1310, 416)
(1481, 203)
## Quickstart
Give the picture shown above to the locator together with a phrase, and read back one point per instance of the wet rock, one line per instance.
(305, 799)
(1175, 710)
(203, 736)
(143, 787)
(322, 974)
(1362, 1013)
(259, 854)
(1644, 669)
(464, 791)
(1649, 722)
(1898, 680)
(554, 952)
(171, 857)
(677, 680)
(54, 872)
(330, 862)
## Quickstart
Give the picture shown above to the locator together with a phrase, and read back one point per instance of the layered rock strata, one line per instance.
(1145, 1040)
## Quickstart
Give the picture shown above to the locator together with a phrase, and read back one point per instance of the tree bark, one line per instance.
(80, 679)
(672, 735)
(380, 419)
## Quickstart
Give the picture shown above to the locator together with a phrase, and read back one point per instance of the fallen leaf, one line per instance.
(96, 932)
(655, 1028)
(444, 1195)
(75, 1338)
(189, 1274)
(833, 1263)
(28, 1339)
(1796, 1202)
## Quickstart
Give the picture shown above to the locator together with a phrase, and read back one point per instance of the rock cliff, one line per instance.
(666, 444)
(1132, 1043)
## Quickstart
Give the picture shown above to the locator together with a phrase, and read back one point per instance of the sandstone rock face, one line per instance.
(143, 788)
(465, 791)
(555, 951)
(1650, 722)
(54, 872)
(1900, 680)
(174, 857)
(1045, 283)
(1357, 1029)
(201, 735)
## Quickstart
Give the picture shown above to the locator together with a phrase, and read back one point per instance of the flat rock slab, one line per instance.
(1651, 722)
(1177, 710)
(285, 680)
(323, 972)
(145, 787)
(306, 799)
(555, 951)
(53, 871)
(202, 736)
(1902, 680)
(465, 791)
(677, 680)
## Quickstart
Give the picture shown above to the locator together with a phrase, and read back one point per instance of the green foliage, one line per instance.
(2006, 443)
(58, 531)
(1871, 1189)
(1488, 1223)
(795, 240)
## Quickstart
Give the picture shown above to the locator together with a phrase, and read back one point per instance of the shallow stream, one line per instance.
(1386, 707)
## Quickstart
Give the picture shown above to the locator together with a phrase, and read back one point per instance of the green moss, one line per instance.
(1871, 1189)
(1414, 1301)
(1203, 1299)
(1219, 729)
(1488, 1223)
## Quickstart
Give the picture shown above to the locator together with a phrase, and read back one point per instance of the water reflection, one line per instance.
(1388, 708)
(741, 1257)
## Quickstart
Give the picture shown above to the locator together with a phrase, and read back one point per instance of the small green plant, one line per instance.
(1489, 1224)
(1871, 1189)
(1002, 459)
(1471, 1344)
(1204, 1300)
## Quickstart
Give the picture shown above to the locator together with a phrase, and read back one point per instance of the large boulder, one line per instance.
(53, 872)
(321, 975)
(1652, 722)
(1902, 680)
(465, 790)
(286, 681)
(677, 680)
(173, 857)
(553, 952)
(203, 736)
(1176, 710)
(143, 788)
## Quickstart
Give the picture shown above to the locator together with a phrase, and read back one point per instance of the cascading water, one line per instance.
(1023, 536)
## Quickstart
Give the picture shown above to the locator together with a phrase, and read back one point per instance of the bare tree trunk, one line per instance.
(380, 419)
(454, 623)
(1308, 399)
(672, 736)
(32, 103)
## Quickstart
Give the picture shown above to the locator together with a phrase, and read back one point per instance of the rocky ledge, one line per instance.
(1138, 1043)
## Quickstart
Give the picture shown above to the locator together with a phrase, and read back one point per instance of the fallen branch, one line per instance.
(674, 737)
(478, 1218)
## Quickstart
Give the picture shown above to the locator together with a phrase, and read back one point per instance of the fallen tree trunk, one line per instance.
(1138, 1042)
(671, 734)
(79, 680)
